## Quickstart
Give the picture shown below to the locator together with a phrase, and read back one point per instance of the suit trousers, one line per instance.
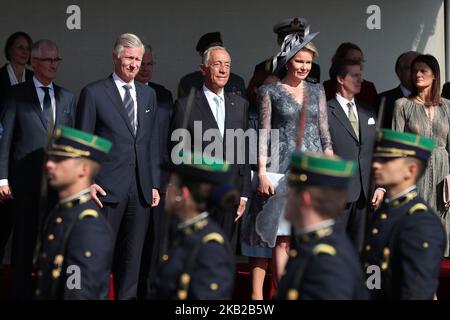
(26, 226)
(6, 226)
(129, 221)
(25, 211)
(353, 220)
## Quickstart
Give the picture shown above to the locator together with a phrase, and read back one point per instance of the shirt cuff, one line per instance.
(244, 198)
(4, 182)
(382, 189)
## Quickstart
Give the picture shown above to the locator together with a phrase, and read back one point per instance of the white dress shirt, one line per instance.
(12, 76)
(343, 102)
(119, 84)
(212, 104)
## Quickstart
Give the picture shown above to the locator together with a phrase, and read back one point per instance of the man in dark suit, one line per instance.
(403, 71)
(352, 129)
(126, 113)
(216, 111)
(32, 109)
(235, 84)
(150, 252)
(446, 91)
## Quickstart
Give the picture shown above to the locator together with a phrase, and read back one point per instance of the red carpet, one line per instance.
(243, 288)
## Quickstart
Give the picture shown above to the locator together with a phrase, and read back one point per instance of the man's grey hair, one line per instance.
(36, 47)
(127, 40)
(207, 53)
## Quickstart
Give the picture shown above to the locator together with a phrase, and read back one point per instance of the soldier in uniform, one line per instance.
(200, 264)
(405, 240)
(282, 29)
(76, 248)
(235, 84)
(323, 262)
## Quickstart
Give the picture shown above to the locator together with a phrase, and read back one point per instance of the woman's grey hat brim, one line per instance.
(283, 57)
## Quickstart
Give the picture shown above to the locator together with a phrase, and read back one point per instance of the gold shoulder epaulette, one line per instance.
(417, 207)
(324, 248)
(88, 213)
(213, 236)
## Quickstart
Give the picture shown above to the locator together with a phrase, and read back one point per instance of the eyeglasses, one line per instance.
(50, 60)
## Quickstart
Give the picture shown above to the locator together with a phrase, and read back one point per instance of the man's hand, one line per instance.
(94, 189)
(241, 209)
(155, 197)
(5, 194)
(378, 196)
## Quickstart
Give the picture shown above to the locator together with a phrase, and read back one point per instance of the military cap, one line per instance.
(319, 170)
(207, 39)
(291, 25)
(73, 143)
(198, 167)
(395, 144)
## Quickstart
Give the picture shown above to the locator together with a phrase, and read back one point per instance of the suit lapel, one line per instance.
(140, 108)
(114, 94)
(58, 105)
(363, 119)
(342, 118)
(35, 104)
(229, 105)
(208, 119)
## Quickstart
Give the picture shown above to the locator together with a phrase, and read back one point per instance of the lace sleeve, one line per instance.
(265, 117)
(325, 136)
(398, 119)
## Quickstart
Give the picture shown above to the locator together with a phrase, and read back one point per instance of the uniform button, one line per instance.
(51, 237)
(58, 220)
(293, 253)
(39, 273)
(425, 245)
(214, 286)
(386, 252)
(383, 216)
(182, 294)
(303, 177)
(165, 257)
(384, 266)
(88, 254)
(374, 231)
(38, 292)
(292, 294)
(368, 247)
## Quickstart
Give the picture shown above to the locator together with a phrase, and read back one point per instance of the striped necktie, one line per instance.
(129, 106)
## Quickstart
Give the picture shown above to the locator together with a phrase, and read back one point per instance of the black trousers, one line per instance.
(6, 226)
(151, 251)
(129, 221)
(26, 226)
(353, 220)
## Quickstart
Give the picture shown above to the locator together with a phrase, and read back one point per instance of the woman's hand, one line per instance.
(265, 187)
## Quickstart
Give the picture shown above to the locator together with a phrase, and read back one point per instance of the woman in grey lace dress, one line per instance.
(280, 104)
(427, 114)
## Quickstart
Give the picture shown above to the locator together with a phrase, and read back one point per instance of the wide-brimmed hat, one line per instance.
(292, 44)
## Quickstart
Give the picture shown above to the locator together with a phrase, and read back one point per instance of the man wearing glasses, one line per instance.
(32, 110)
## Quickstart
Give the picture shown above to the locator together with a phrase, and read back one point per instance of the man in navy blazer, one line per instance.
(125, 112)
(352, 129)
(216, 72)
(403, 71)
(32, 109)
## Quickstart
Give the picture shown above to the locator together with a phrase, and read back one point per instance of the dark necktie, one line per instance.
(47, 108)
(129, 106)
